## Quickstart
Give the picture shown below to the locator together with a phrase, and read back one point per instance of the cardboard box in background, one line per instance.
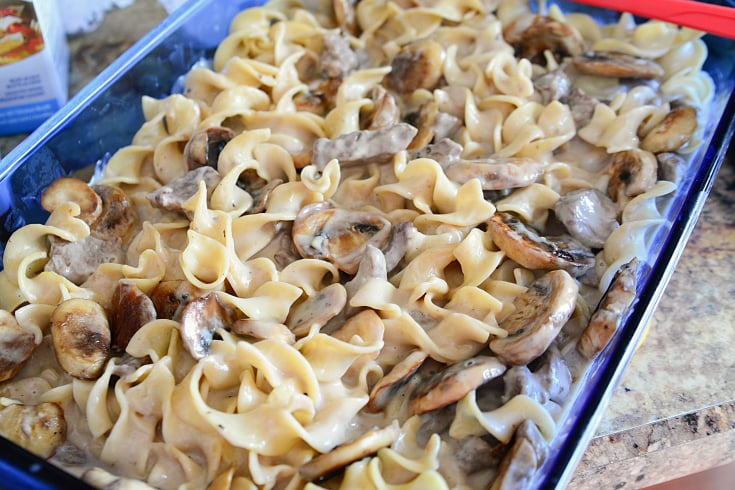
(34, 64)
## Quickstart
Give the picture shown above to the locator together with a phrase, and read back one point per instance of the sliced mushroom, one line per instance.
(393, 382)
(532, 35)
(384, 113)
(16, 346)
(539, 314)
(199, 320)
(70, 189)
(616, 302)
(416, 66)
(337, 59)
(81, 336)
(617, 65)
(317, 310)
(632, 172)
(445, 152)
(363, 146)
(170, 297)
(523, 459)
(367, 444)
(589, 216)
(497, 173)
(524, 245)
(321, 231)
(118, 218)
(262, 329)
(672, 132)
(38, 428)
(173, 195)
(204, 147)
(453, 383)
(130, 309)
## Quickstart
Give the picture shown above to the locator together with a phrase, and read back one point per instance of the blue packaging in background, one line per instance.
(34, 64)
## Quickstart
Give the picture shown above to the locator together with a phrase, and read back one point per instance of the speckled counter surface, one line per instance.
(674, 411)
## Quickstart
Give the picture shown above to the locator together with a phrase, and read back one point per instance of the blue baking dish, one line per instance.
(104, 116)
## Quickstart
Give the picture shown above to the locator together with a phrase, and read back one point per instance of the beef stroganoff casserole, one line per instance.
(371, 245)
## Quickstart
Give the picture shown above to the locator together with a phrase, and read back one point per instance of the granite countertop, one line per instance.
(674, 411)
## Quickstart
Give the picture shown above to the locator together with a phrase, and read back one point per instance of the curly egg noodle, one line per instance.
(252, 411)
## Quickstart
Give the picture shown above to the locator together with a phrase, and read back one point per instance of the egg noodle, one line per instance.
(256, 405)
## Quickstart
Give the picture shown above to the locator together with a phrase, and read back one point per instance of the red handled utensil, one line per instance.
(714, 19)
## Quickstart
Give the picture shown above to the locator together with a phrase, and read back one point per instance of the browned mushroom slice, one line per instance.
(81, 337)
(38, 428)
(453, 383)
(617, 65)
(16, 346)
(525, 456)
(317, 310)
(199, 320)
(170, 297)
(673, 131)
(204, 147)
(497, 173)
(173, 195)
(367, 444)
(70, 189)
(130, 309)
(605, 321)
(118, 218)
(539, 314)
(390, 384)
(632, 172)
(526, 246)
(589, 216)
(363, 146)
(385, 112)
(416, 66)
(321, 231)
(262, 329)
(531, 35)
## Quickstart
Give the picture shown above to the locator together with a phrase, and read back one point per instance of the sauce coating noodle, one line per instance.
(358, 251)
